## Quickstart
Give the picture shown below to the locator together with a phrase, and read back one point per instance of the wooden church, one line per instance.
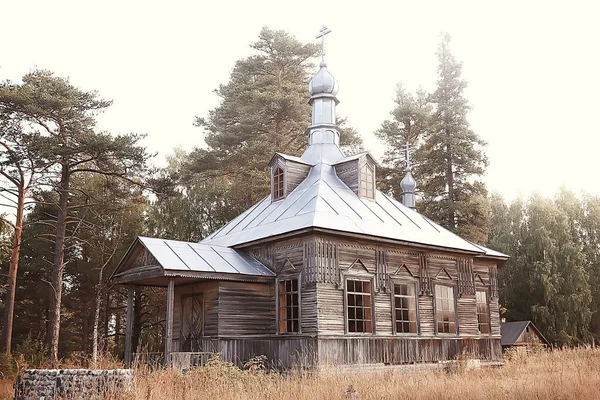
(326, 270)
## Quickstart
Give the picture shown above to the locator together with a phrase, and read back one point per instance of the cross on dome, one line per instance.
(323, 31)
(407, 150)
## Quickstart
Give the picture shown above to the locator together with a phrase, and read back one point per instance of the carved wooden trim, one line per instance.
(425, 281)
(357, 246)
(383, 278)
(442, 257)
(322, 262)
(466, 282)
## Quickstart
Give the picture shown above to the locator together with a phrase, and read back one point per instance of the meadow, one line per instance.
(560, 374)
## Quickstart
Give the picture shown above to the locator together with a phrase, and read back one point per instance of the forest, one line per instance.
(73, 198)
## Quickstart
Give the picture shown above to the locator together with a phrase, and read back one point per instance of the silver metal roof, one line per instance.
(290, 158)
(324, 201)
(174, 255)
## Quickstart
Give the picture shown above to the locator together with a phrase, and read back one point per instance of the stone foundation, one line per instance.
(72, 383)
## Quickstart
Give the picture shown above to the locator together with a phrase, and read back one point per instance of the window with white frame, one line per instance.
(289, 306)
(444, 309)
(405, 307)
(359, 306)
(367, 182)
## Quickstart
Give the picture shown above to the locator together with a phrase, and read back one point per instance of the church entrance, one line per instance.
(192, 322)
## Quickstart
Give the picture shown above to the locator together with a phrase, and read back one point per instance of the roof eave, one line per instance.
(352, 235)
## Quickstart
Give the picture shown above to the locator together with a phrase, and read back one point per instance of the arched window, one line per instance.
(367, 182)
(278, 191)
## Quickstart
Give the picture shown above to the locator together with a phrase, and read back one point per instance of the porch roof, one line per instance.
(173, 258)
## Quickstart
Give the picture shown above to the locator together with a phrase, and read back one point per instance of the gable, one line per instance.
(404, 270)
(287, 172)
(287, 267)
(358, 266)
(150, 258)
(443, 274)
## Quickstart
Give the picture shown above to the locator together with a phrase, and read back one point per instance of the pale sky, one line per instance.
(533, 68)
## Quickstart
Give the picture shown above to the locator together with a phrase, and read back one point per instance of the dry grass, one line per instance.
(566, 374)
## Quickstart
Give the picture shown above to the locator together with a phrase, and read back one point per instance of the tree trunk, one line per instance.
(52, 335)
(9, 308)
(97, 318)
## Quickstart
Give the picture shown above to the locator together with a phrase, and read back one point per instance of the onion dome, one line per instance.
(323, 82)
(408, 184)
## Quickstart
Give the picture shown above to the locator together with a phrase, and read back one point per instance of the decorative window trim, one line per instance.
(361, 278)
(405, 281)
(278, 187)
(298, 293)
(435, 310)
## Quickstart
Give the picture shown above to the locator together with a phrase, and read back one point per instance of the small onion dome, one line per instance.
(323, 82)
(408, 184)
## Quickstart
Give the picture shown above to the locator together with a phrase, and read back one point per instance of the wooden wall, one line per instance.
(376, 350)
(295, 174)
(322, 262)
(292, 351)
(348, 173)
(246, 308)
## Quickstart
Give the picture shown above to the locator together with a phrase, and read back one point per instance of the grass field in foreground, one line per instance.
(561, 374)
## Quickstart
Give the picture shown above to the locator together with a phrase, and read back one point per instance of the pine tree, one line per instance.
(451, 160)
(408, 123)
(69, 142)
(263, 109)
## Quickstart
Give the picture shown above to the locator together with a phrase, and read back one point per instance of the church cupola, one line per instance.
(408, 183)
(323, 88)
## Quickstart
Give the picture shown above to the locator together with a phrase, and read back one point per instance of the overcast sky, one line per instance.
(533, 68)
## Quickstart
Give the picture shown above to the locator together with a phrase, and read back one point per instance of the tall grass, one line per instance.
(561, 374)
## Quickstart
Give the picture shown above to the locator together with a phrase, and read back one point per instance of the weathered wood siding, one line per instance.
(295, 174)
(467, 315)
(209, 291)
(348, 173)
(323, 263)
(246, 308)
(426, 317)
(330, 308)
(308, 351)
(281, 351)
(383, 313)
(485, 278)
(395, 350)
(309, 319)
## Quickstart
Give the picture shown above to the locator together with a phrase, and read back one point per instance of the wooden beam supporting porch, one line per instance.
(169, 321)
(129, 327)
